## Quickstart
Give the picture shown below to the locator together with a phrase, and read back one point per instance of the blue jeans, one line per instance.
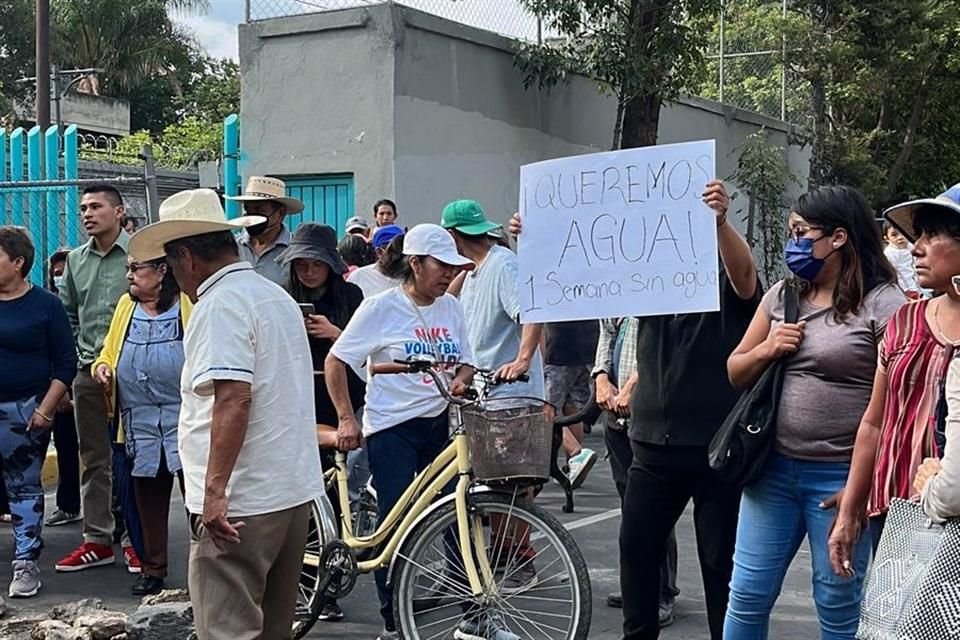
(776, 514)
(22, 454)
(396, 456)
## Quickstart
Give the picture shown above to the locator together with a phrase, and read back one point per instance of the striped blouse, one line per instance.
(915, 362)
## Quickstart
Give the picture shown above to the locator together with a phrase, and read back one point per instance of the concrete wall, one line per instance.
(316, 94)
(101, 115)
(441, 108)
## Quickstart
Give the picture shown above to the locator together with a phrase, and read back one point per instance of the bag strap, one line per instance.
(791, 301)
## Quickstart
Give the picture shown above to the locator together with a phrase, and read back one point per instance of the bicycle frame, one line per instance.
(416, 500)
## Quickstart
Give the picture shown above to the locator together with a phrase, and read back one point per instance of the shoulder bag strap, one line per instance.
(791, 301)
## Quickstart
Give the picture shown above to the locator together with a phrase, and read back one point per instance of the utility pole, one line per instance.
(43, 64)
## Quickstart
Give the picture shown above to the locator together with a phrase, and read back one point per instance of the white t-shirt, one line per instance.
(372, 281)
(387, 327)
(246, 328)
(903, 263)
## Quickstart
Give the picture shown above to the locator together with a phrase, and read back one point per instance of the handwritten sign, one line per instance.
(623, 233)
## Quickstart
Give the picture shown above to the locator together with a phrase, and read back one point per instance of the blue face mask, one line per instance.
(800, 259)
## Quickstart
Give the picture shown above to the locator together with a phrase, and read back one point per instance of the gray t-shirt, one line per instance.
(491, 304)
(828, 381)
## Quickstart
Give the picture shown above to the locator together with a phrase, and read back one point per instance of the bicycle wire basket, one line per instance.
(511, 440)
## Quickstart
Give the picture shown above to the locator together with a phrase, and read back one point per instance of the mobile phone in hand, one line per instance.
(307, 309)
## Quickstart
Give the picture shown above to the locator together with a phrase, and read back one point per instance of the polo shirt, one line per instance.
(266, 263)
(248, 329)
(92, 285)
(683, 393)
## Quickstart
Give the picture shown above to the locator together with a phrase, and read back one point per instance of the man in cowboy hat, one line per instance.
(262, 243)
(247, 444)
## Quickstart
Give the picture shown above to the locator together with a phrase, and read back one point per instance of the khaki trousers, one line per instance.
(96, 458)
(248, 590)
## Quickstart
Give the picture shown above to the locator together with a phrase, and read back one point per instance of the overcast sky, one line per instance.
(217, 30)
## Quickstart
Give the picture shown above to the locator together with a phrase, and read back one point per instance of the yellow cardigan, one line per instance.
(113, 343)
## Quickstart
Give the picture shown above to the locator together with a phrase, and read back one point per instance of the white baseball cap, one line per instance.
(357, 223)
(434, 241)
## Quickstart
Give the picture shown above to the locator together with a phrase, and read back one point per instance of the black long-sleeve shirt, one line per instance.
(36, 345)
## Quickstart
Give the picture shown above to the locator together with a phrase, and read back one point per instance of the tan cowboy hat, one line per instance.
(261, 189)
(182, 215)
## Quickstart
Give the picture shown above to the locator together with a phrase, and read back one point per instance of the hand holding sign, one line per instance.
(624, 233)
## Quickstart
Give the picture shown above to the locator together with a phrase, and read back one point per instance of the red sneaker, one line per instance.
(89, 554)
(131, 560)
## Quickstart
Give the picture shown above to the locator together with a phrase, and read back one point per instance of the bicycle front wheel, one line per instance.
(540, 587)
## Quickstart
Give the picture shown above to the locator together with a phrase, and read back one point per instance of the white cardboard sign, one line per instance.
(617, 234)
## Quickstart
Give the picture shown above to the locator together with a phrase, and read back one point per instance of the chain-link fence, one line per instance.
(41, 187)
(506, 17)
(748, 63)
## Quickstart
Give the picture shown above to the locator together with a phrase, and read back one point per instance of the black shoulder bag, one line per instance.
(739, 449)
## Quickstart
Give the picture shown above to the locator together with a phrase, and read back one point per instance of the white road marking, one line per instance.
(594, 519)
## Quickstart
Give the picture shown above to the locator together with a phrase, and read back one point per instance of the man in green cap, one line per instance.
(491, 304)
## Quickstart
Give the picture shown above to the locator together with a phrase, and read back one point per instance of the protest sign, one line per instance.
(623, 233)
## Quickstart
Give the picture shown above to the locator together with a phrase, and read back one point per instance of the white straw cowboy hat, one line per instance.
(261, 189)
(182, 215)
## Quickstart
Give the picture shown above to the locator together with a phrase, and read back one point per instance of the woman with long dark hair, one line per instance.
(140, 366)
(847, 294)
(328, 302)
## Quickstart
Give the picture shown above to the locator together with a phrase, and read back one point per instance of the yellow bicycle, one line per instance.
(480, 561)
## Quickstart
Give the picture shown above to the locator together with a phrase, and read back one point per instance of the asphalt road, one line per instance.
(594, 525)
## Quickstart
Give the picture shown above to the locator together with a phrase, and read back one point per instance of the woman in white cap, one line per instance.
(405, 420)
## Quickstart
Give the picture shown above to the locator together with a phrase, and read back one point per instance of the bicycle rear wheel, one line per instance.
(540, 587)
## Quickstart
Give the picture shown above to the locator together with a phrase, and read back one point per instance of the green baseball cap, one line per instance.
(466, 216)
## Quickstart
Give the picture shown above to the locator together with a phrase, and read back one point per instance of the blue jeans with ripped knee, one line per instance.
(22, 454)
(776, 514)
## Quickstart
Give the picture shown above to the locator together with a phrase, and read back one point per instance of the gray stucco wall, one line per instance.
(442, 108)
(316, 95)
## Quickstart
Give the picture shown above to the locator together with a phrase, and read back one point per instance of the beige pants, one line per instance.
(96, 457)
(248, 591)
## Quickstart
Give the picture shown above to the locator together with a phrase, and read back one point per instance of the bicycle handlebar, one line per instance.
(427, 366)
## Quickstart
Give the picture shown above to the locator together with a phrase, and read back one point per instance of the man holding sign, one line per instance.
(638, 241)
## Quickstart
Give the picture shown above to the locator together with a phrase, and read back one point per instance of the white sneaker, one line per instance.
(580, 466)
(26, 579)
(486, 626)
(389, 635)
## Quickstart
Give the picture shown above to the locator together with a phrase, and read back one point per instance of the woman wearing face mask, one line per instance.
(140, 366)
(900, 427)
(847, 294)
(405, 420)
(65, 432)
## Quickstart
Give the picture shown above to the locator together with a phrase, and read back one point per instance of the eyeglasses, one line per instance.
(800, 231)
(133, 267)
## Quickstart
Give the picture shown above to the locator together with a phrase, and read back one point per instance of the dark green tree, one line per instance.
(641, 51)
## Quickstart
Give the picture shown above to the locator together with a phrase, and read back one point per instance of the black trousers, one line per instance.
(68, 462)
(660, 482)
(621, 457)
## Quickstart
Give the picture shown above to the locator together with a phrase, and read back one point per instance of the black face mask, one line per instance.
(261, 228)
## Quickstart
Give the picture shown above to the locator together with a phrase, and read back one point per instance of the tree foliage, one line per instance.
(641, 51)
(873, 83)
(16, 51)
(763, 175)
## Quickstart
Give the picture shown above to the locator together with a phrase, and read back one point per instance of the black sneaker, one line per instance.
(331, 612)
(147, 585)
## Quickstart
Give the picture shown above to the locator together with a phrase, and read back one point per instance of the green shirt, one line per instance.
(92, 285)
